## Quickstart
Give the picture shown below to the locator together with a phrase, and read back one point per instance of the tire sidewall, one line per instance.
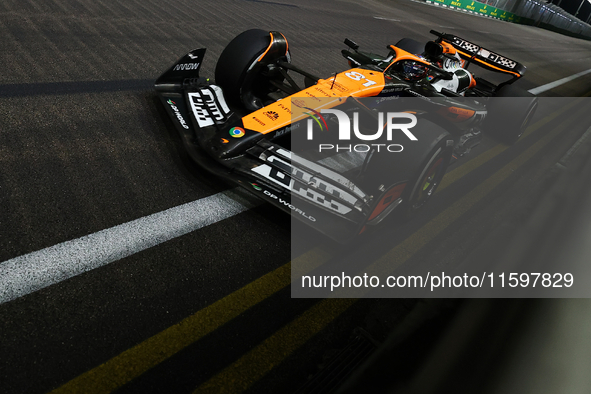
(237, 60)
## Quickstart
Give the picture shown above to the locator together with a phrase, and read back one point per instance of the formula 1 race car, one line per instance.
(249, 126)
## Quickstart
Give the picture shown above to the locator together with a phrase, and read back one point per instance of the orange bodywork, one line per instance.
(455, 114)
(352, 83)
(448, 48)
(355, 82)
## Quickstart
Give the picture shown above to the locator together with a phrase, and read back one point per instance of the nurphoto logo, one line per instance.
(388, 123)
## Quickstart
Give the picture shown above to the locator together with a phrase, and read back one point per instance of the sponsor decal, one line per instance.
(305, 185)
(339, 87)
(272, 115)
(394, 89)
(503, 61)
(224, 141)
(312, 96)
(387, 98)
(258, 121)
(451, 64)
(237, 132)
(475, 49)
(177, 113)
(298, 103)
(186, 66)
(256, 187)
(286, 129)
(283, 107)
(209, 106)
(289, 205)
(324, 93)
(282, 131)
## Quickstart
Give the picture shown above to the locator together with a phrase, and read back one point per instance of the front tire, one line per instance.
(243, 70)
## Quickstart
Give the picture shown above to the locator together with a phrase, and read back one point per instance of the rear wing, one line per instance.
(483, 57)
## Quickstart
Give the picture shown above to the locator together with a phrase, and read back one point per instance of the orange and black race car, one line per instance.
(314, 151)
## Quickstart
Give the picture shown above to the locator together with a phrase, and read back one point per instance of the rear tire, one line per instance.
(510, 111)
(422, 165)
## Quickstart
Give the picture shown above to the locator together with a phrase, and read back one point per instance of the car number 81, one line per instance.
(355, 76)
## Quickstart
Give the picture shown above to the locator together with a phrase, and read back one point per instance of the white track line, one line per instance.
(34, 271)
(554, 84)
(386, 19)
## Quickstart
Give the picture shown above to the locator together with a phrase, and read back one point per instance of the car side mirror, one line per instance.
(351, 44)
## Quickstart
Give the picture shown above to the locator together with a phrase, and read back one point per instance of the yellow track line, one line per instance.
(137, 360)
(258, 362)
(244, 372)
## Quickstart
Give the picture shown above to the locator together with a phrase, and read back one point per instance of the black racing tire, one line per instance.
(237, 71)
(410, 45)
(236, 59)
(509, 112)
(422, 165)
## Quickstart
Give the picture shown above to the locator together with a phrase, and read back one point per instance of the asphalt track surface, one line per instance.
(85, 147)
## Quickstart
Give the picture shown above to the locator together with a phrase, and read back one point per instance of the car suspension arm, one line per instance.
(289, 66)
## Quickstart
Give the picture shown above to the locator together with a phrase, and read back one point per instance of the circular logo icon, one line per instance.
(237, 132)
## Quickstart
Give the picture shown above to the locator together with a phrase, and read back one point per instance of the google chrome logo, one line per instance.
(237, 132)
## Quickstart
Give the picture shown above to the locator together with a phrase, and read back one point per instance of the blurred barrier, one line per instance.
(525, 12)
(476, 7)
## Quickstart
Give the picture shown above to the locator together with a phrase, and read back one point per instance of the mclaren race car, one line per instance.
(304, 146)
